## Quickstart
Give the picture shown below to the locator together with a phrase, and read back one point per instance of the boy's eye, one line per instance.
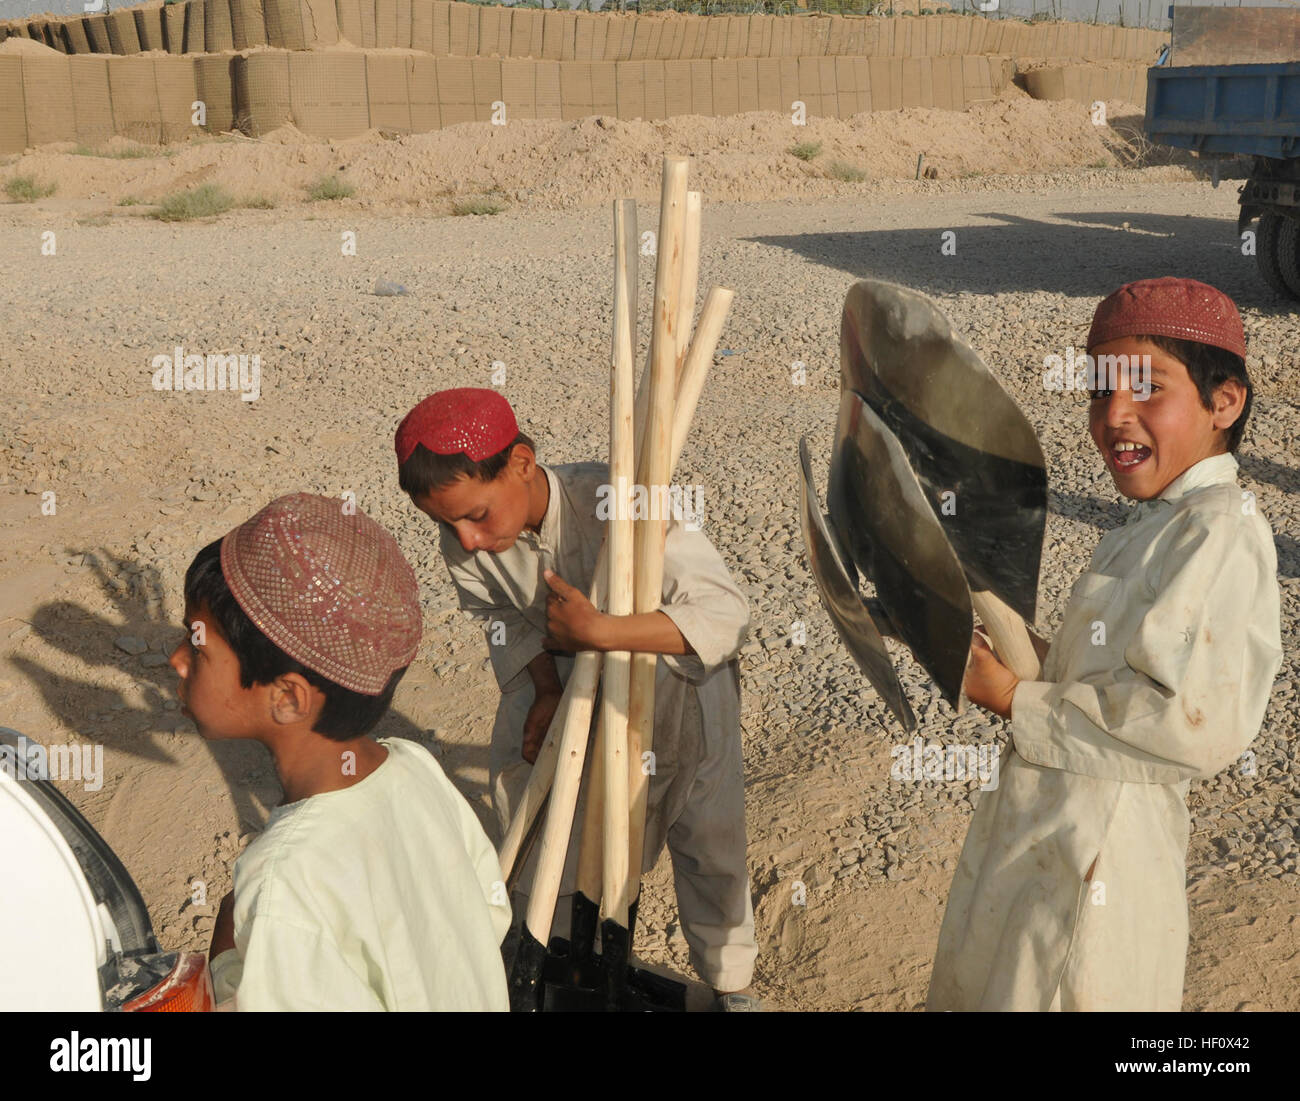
(480, 517)
(1097, 395)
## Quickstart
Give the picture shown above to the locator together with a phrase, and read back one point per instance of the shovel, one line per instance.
(973, 452)
(837, 581)
(661, 446)
(575, 978)
(575, 709)
(894, 537)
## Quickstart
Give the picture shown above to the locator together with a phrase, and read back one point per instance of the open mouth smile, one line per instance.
(1127, 456)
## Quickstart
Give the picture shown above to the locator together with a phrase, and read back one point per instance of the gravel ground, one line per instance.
(144, 478)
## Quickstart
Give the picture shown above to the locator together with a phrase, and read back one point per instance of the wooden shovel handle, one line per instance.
(590, 855)
(1011, 641)
(574, 710)
(554, 844)
(688, 288)
(586, 666)
(611, 775)
(672, 320)
(659, 428)
(699, 358)
(690, 281)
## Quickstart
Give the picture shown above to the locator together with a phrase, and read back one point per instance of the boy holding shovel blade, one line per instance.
(1071, 889)
(521, 542)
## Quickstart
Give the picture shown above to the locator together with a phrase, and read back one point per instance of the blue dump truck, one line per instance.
(1250, 109)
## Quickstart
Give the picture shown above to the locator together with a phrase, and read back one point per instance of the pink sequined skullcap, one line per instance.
(329, 587)
(477, 422)
(1181, 308)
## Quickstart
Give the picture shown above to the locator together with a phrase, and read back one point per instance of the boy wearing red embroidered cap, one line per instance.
(373, 886)
(1071, 890)
(521, 542)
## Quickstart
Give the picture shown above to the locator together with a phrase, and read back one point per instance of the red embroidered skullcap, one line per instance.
(477, 422)
(329, 587)
(1181, 308)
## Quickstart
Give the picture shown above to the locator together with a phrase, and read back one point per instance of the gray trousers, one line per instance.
(696, 807)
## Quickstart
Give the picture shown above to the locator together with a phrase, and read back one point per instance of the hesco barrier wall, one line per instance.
(539, 64)
(342, 93)
(1089, 83)
(89, 99)
(445, 28)
(1235, 36)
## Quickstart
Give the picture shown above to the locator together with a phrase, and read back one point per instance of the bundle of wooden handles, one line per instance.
(647, 434)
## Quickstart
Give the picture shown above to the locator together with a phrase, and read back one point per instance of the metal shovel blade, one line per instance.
(568, 976)
(584, 986)
(837, 584)
(973, 451)
(524, 983)
(894, 537)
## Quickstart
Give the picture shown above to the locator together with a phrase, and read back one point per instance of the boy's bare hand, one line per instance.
(223, 933)
(538, 722)
(988, 682)
(572, 621)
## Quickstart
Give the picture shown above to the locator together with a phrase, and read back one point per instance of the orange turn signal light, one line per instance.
(188, 989)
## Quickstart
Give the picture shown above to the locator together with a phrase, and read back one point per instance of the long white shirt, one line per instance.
(1161, 672)
(386, 895)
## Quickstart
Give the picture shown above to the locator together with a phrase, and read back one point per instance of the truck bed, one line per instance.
(1226, 109)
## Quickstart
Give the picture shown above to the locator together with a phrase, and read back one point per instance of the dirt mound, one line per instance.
(547, 164)
(27, 46)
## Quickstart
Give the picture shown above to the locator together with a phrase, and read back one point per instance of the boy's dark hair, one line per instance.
(425, 471)
(1209, 367)
(346, 714)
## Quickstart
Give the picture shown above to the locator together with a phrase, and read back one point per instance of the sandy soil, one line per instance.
(553, 165)
(143, 478)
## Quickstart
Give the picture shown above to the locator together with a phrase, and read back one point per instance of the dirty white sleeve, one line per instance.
(703, 602)
(1189, 692)
(511, 640)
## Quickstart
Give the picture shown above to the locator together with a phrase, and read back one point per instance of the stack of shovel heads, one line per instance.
(648, 429)
(937, 496)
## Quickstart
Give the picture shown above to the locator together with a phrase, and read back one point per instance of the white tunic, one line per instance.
(696, 799)
(1161, 672)
(386, 895)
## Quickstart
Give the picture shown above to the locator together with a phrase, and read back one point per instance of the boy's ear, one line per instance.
(293, 700)
(523, 461)
(1227, 402)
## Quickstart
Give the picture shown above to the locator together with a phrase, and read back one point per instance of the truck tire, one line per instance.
(1288, 255)
(1277, 253)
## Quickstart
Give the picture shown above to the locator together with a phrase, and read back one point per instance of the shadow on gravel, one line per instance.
(1087, 510)
(1088, 254)
(102, 715)
(1288, 555)
(1286, 478)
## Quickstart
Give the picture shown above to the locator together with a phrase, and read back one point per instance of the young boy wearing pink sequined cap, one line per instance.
(373, 886)
(1071, 889)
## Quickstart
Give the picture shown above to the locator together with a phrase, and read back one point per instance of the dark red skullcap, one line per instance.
(477, 422)
(1181, 308)
(329, 587)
